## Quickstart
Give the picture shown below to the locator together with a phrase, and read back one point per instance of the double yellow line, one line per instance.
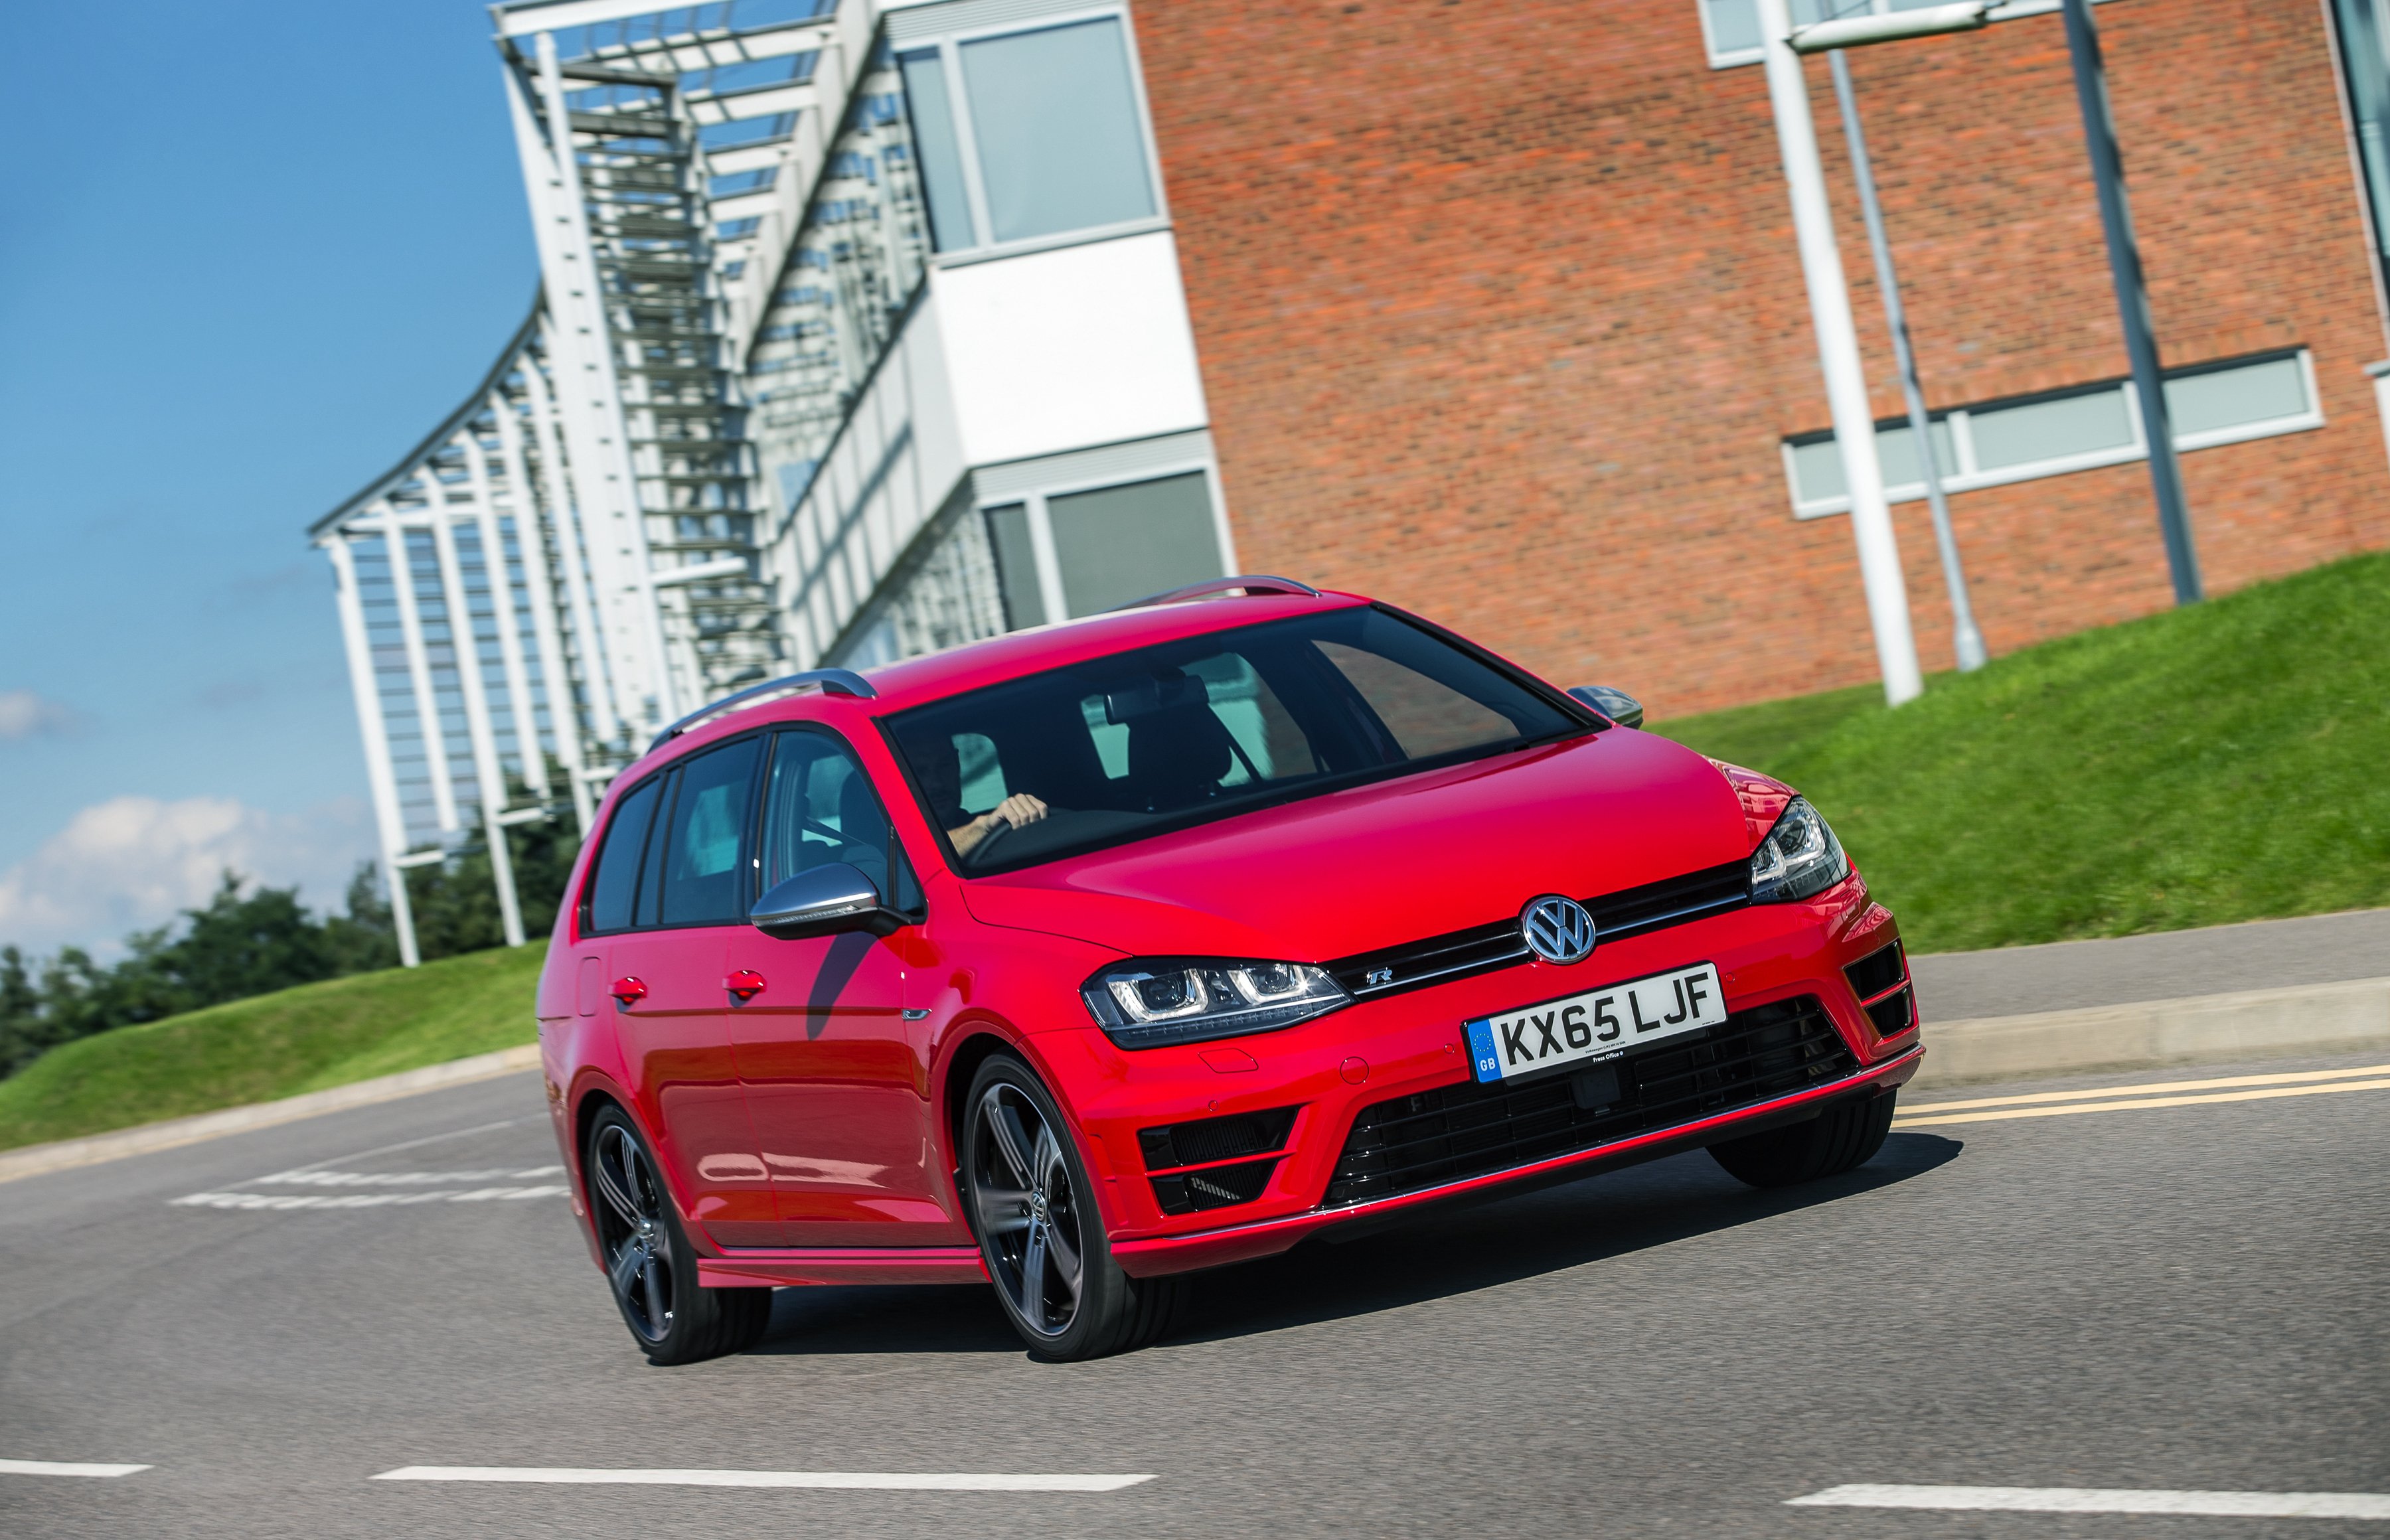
(2170, 1092)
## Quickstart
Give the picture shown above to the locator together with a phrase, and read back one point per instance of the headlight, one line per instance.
(1153, 1001)
(1799, 859)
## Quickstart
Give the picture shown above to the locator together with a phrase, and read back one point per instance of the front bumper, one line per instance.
(1331, 1070)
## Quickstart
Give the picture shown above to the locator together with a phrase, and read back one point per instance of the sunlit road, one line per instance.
(2189, 1297)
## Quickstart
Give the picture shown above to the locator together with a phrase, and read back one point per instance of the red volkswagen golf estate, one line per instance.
(1084, 958)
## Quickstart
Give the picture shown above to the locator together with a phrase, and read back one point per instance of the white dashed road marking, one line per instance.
(2085, 1499)
(873, 1481)
(310, 1177)
(356, 1200)
(64, 1467)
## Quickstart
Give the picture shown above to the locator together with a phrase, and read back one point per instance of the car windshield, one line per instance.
(1122, 748)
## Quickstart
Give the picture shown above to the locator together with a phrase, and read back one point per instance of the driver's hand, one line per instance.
(1019, 810)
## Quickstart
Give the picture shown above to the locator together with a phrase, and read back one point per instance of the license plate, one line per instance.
(1599, 1024)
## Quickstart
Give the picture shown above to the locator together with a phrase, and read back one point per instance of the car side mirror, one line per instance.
(827, 901)
(1617, 705)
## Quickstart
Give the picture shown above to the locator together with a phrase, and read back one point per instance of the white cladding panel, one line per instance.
(1063, 349)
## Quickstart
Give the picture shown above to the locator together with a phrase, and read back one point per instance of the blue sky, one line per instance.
(255, 251)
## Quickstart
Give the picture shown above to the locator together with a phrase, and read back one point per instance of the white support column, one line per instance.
(465, 646)
(597, 398)
(520, 711)
(1838, 359)
(605, 711)
(418, 668)
(364, 683)
(554, 675)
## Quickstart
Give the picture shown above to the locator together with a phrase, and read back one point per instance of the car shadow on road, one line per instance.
(1435, 1256)
(1464, 1250)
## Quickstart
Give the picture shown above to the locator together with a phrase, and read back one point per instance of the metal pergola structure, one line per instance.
(570, 559)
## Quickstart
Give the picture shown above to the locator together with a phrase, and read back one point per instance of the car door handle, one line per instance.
(746, 984)
(627, 990)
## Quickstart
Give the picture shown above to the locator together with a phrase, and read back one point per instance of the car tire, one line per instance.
(649, 1264)
(1843, 1136)
(1033, 1208)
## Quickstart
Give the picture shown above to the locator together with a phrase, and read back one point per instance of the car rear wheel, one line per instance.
(1843, 1136)
(1033, 1211)
(648, 1260)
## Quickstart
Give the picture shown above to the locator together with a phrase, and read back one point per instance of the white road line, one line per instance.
(414, 1144)
(873, 1481)
(358, 1199)
(2085, 1499)
(64, 1467)
(2269, 1094)
(398, 1178)
(2152, 1088)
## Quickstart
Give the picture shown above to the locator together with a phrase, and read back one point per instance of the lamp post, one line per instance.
(2132, 298)
(1966, 639)
(1838, 356)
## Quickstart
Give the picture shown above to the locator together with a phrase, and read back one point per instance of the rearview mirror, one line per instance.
(827, 901)
(1617, 705)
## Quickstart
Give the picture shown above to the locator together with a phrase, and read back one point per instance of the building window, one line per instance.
(741, 183)
(1064, 554)
(1730, 28)
(2022, 438)
(1029, 135)
(736, 230)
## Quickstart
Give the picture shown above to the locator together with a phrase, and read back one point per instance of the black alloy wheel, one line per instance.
(1039, 1232)
(649, 1261)
(1842, 1137)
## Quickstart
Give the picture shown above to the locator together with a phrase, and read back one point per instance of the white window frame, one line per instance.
(1041, 527)
(949, 46)
(1967, 476)
(1735, 57)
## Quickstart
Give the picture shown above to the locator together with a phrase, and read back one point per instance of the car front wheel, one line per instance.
(1844, 1136)
(648, 1260)
(1033, 1211)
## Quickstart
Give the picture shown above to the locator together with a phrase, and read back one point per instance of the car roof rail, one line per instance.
(1244, 586)
(829, 681)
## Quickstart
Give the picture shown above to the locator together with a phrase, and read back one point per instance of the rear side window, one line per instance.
(703, 837)
(618, 862)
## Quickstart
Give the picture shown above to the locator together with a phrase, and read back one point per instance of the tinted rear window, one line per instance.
(1124, 747)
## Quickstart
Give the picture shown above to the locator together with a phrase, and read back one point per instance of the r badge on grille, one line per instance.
(1558, 929)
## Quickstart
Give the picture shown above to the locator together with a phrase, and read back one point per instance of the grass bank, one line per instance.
(2226, 761)
(280, 1045)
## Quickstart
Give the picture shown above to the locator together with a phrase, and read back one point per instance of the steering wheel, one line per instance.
(995, 831)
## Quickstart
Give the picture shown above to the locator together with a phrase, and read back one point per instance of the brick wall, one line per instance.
(1500, 317)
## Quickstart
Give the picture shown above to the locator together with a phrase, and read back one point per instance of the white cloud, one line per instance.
(134, 862)
(25, 714)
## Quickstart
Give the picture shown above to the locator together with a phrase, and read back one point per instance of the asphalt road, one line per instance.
(2186, 1297)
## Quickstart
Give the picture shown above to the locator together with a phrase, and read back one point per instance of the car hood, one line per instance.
(1380, 864)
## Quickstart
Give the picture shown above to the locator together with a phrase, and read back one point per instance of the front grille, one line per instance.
(1484, 948)
(1456, 1132)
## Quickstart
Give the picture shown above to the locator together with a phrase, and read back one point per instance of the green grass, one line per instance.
(278, 1045)
(2226, 761)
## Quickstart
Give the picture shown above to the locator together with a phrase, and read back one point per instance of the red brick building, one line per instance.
(1498, 316)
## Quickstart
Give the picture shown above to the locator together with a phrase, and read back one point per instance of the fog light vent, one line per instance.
(1876, 972)
(1893, 1015)
(1208, 1139)
(1212, 1187)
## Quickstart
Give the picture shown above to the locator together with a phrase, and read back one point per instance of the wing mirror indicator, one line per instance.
(1616, 704)
(827, 901)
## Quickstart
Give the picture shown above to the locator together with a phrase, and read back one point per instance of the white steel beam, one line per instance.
(418, 668)
(364, 683)
(465, 647)
(500, 577)
(606, 714)
(530, 542)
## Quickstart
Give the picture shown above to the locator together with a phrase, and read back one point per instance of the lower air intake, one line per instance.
(1456, 1132)
(1212, 1188)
